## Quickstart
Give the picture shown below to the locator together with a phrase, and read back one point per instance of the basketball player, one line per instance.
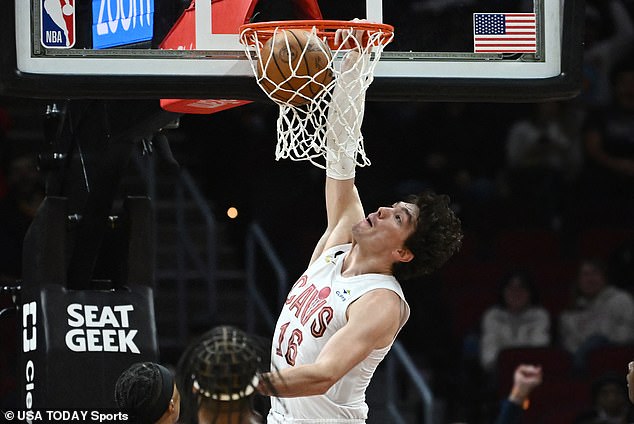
(343, 314)
(217, 375)
(147, 392)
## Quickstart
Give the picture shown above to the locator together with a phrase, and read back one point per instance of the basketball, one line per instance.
(294, 66)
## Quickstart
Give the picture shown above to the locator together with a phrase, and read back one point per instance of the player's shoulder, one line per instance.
(379, 308)
(381, 298)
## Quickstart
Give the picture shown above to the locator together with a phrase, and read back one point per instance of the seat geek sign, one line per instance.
(121, 22)
(65, 330)
(100, 328)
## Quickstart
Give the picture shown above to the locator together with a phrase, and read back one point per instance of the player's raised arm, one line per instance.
(343, 135)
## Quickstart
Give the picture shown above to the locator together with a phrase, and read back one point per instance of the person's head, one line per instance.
(518, 291)
(591, 278)
(147, 392)
(609, 394)
(434, 235)
(219, 372)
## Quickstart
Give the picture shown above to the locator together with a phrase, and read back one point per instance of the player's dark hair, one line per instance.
(437, 236)
(144, 390)
(220, 371)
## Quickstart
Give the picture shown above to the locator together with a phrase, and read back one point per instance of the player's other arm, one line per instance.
(373, 322)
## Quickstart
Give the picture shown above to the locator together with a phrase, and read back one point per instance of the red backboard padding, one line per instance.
(227, 16)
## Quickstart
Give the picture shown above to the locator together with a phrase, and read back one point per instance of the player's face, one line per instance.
(387, 228)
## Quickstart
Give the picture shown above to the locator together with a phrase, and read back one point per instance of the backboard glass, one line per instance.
(116, 49)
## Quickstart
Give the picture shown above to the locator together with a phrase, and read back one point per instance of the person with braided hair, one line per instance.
(218, 374)
(147, 391)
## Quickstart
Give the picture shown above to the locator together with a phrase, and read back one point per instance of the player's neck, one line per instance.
(358, 262)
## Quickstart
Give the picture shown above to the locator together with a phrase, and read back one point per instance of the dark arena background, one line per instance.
(127, 230)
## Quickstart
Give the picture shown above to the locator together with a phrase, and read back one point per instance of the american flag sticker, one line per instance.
(504, 33)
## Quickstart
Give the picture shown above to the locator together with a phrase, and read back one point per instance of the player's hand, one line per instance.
(349, 38)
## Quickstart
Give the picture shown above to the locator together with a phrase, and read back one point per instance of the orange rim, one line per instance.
(324, 28)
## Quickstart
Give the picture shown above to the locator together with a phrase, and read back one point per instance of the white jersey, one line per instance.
(314, 311)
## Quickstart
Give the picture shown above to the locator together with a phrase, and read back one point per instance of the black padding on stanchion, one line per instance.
(139, 264)
(44, 249)
(77, 342)
(74, 343)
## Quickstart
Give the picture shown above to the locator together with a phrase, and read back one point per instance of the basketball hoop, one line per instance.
(305, 129)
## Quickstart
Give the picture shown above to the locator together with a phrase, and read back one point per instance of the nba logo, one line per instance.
(57, 23)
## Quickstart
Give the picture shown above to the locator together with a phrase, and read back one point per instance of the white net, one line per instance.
(321, 110)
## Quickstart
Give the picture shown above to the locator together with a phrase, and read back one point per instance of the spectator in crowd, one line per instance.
(609, 137)
(543, 157)
(601, 314)
(610, 403)
(147, 391)
(609, 36)
(525, 379)
(517, 320)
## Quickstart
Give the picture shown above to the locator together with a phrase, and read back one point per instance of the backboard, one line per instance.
(119, 48)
